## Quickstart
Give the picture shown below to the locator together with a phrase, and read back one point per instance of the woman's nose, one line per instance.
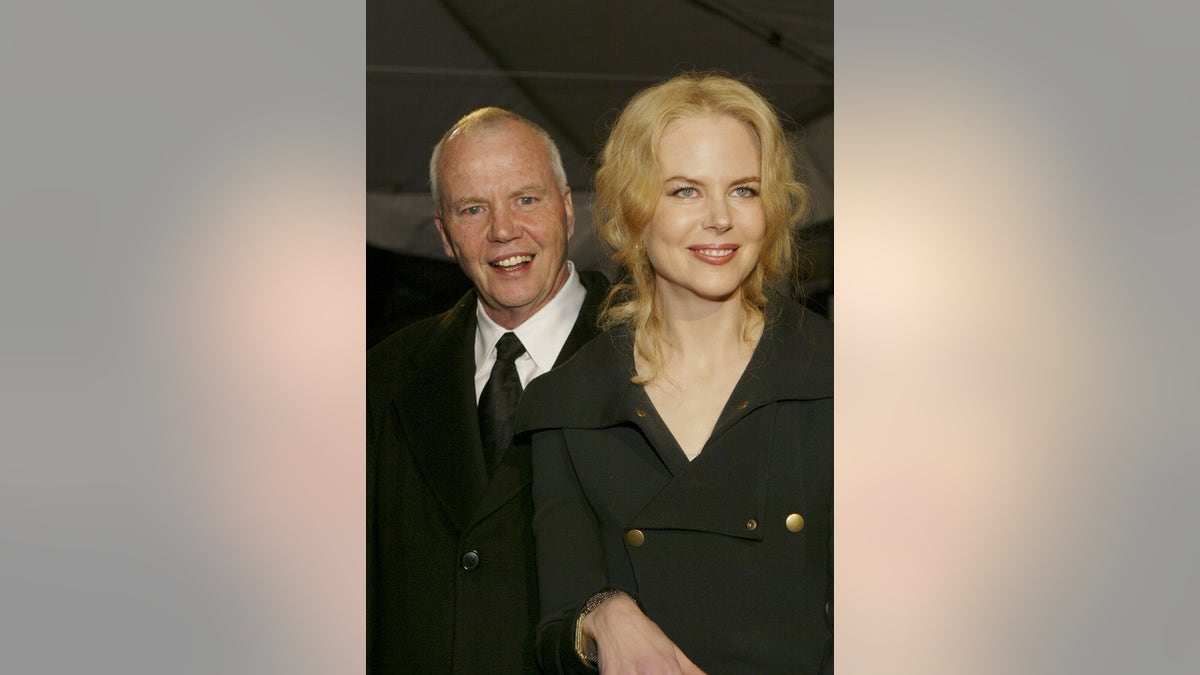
(718, 217)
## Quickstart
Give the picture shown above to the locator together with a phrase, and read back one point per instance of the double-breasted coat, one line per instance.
(451, 581)
(730, 554)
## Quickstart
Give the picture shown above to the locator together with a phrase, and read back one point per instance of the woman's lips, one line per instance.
(714, 254)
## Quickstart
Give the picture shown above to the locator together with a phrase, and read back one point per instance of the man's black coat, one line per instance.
(451, 579)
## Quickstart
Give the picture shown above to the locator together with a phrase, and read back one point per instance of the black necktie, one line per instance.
(498, 403)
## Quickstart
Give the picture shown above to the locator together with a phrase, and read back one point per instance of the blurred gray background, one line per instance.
(182, 264)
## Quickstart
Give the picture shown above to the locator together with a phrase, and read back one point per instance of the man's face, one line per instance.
(502, 217)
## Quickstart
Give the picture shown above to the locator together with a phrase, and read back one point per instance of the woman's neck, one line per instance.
(698, 332)
(706, 348)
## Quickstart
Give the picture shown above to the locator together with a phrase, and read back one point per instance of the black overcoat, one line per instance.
(451, 581)
(730, 553)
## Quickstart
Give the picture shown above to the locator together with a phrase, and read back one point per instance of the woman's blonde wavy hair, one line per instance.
(628, 185)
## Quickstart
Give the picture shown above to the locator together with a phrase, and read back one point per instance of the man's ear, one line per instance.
(441, 227)
(570, 208)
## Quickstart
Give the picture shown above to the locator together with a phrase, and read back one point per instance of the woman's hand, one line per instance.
(628, 642)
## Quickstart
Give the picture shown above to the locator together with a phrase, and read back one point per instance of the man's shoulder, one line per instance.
(593, 280)
(402, 342)
(399, 353)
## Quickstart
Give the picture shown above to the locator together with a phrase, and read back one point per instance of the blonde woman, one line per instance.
(682, 460)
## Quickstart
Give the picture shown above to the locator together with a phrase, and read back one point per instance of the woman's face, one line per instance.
(706, 233)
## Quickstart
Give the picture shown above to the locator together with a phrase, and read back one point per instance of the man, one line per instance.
(451, 581)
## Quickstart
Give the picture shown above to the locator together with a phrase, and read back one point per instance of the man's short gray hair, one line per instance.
(485, 119)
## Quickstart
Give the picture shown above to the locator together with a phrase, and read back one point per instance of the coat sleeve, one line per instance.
(570, 556)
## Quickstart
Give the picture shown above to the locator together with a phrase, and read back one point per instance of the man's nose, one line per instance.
(503, 227)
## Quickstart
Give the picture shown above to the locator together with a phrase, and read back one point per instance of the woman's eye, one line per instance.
(685, 192)
(745, 191)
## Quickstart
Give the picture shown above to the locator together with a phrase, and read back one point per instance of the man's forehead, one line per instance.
(497, 159)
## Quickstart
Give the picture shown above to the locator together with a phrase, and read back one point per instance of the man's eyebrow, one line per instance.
(532, 188)
(463, 201)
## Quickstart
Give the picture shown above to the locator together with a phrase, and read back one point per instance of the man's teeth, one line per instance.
(513, 261)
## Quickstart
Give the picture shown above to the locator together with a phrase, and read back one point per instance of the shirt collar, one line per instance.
(544, 333)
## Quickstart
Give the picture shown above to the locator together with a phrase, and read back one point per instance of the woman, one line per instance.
(682, 460)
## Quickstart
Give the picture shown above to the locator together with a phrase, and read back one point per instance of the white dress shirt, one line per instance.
(543, 334)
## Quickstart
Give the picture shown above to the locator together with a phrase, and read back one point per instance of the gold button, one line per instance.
(795, 522)
(742, 405)
(640, 413)
(752, 524)
(635, 538)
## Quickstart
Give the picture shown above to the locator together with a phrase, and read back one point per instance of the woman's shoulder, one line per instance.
(794, 319)
(607, 352)
(798, 354)
(598, 373)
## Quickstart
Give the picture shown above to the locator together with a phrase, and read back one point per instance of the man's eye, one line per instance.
(685, 192)
(472, 210)
(526, 201)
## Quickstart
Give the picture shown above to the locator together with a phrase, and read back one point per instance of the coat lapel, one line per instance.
(725, 487)
(437, 412)
(513, 474)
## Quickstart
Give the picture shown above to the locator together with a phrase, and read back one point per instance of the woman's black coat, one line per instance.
(730, 554)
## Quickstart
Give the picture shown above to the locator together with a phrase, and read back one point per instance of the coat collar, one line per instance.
(724, 489)
(589, 315)
(589, 393)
